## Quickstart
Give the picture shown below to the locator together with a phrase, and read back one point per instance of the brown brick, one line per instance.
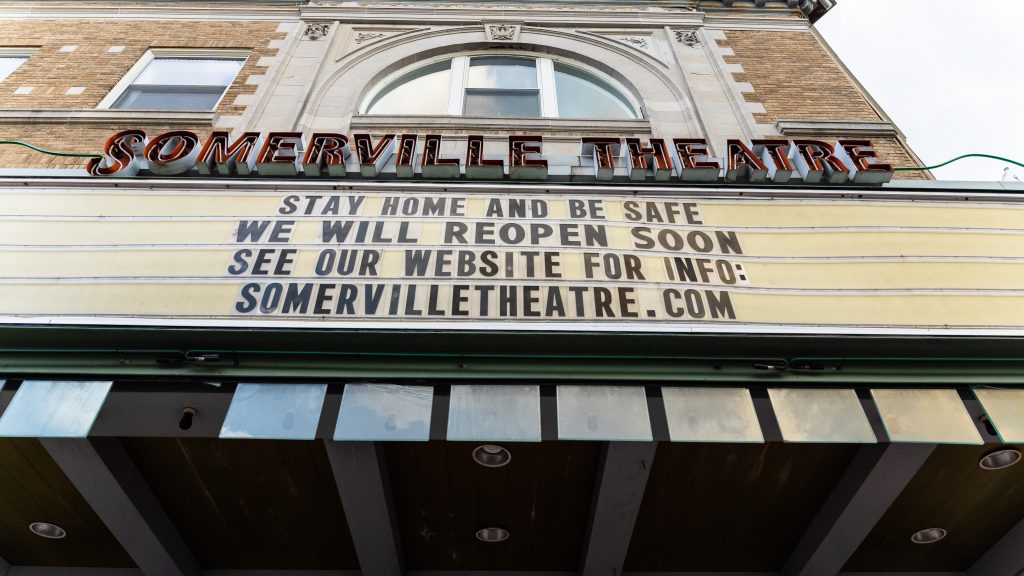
(52, 72)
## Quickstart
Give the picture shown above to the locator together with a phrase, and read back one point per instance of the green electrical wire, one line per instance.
(989, 156)
(50, 152)
(902, 169)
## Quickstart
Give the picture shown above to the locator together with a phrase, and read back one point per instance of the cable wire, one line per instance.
(989, 156)
(50, 152)
(900, 169)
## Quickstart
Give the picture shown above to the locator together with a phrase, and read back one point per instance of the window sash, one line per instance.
(546, 87)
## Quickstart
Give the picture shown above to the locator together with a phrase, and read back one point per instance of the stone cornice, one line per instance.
(565, 12)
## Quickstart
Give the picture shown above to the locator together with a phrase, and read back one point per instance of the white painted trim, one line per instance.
(478, 125)
(128, 79)
(546, 84)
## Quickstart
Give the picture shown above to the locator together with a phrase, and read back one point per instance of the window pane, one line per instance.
(1005, 408)
(422, 91)
(9, 64)
(494, 72)
(190, 71)
(603, 413)
(581, 95)
(52, 409)
(512, 104)
(170, 98)
(385, 412)
(826, 415)
(274, 411)
(937, 416)
(711, 415)
(494, 413)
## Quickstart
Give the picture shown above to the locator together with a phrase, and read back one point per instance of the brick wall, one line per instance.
(795, 78)
(91, 65)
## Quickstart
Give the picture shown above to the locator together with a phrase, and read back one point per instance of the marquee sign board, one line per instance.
(686, 160)
(497, 258)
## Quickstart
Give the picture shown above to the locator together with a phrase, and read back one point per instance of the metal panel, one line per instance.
(274, 411)
(1005, 409)
(711, 415)
(385, 412)
(822, 415)
(937, 416)
(494, 413)
(603, 413)
(53, 409)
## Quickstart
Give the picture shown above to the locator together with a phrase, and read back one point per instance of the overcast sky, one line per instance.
(949, 72)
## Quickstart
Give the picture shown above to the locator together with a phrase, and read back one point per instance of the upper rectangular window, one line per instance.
(176, 81)
(10, 61)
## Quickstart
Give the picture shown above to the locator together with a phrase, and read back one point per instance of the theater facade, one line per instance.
(370, 287)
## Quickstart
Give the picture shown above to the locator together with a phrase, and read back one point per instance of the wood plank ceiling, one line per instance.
(33, 489)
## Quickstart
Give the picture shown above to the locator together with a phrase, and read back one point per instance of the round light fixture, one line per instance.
(493, 534)
(928, 536)
(999, 459)
(47, 530)
(491, 456)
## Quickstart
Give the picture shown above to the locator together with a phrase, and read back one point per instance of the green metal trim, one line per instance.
(768, 371)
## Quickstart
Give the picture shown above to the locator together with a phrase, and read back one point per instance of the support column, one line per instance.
(1005, 558)
(622, 479)
(875, 478)
(103, 473)
(360, 472)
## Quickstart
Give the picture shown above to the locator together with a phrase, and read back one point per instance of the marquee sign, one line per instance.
(476, 258)
(682, 159)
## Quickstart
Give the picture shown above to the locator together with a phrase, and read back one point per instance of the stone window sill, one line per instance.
(95, 116)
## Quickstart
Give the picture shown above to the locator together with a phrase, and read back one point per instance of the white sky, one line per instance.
(950, 73)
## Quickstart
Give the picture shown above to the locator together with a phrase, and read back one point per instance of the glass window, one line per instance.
(385, 412)
(1005, 409)
(603, 413)
(9, 64)
(582, 95)
(176, 83)
(933, 416)
(825, 415)
(274, 411)
(54, 409)
(502, 87)
(422, 91)
(494, 413)
(711, 415)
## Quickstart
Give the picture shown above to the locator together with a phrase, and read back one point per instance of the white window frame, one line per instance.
(153, 53)
(545, 66)
(16, 52)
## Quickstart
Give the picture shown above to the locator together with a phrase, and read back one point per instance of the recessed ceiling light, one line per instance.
(999, 459)
(493, 534)
(491, 456)
(47, 530)
(928, 536)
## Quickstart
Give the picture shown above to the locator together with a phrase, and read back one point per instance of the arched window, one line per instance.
(502, 86)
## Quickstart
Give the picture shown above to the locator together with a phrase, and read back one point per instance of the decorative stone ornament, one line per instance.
(502, 32)
(689, 37)
(362, 37)
(317, 30)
